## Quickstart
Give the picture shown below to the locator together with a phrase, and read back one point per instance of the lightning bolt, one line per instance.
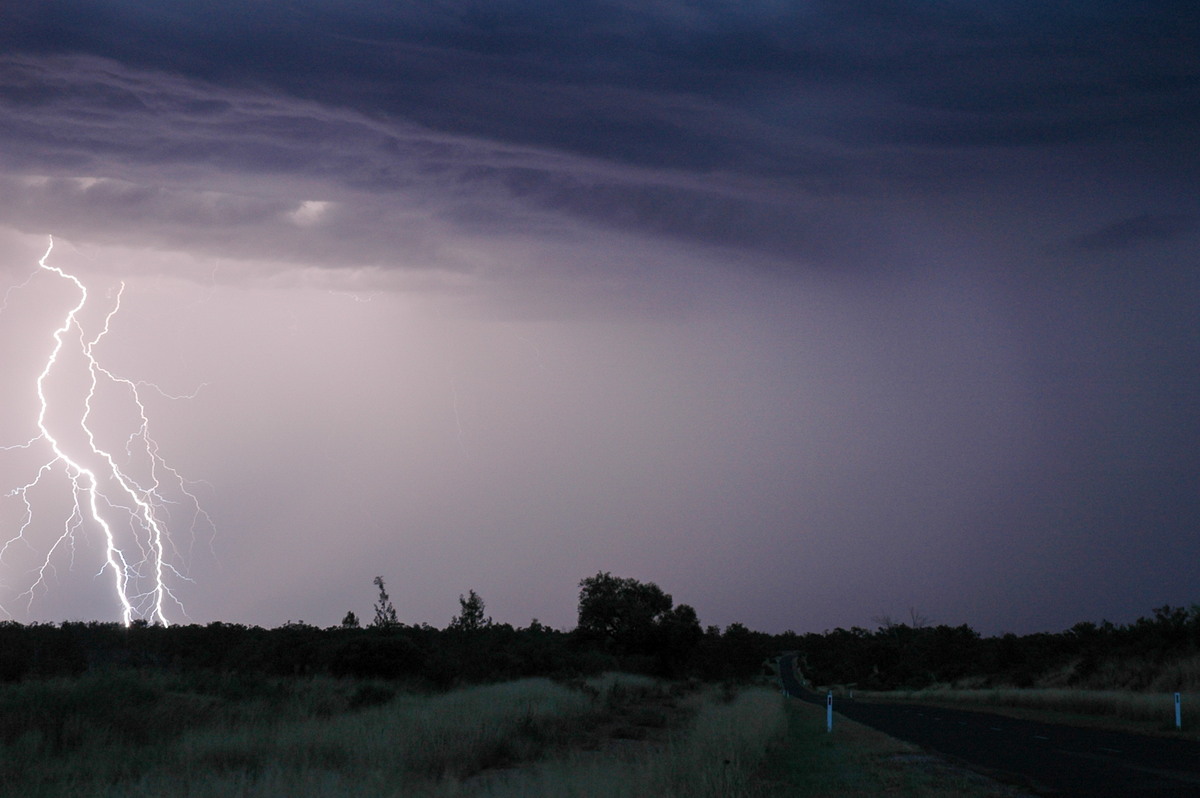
(129, 513)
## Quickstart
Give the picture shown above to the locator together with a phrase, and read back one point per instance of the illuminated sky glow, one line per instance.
(118, 492)
(807, 313)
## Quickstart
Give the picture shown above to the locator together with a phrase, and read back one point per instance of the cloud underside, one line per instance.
(768, 132)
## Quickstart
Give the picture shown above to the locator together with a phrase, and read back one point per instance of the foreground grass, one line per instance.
(140, 734)
(718, 754)
(856, 761)
(155, 734)
(1110, 709)
(137, 734)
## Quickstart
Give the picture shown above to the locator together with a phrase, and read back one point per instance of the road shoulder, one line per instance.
(856, 761)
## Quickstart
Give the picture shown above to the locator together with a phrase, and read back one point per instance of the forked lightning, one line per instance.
(128, 513)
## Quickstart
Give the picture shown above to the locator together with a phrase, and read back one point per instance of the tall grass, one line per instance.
(138, 735)
(1181, 674)
(453, 734)
(725, 746)
(717, 755)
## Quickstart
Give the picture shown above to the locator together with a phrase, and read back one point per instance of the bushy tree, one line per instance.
(470, 617)
(677, 636)
(621, 611)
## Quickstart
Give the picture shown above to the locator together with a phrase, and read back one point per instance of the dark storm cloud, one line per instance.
(763, 89)
(83, 115)
(576, 78)
(606, 78)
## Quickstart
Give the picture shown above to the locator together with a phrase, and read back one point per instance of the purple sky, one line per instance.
(809, 312)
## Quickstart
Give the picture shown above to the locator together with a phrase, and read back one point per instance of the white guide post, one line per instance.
(829, 712)
(1178, 713)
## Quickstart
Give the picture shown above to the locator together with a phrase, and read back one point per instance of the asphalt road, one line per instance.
(1045, 758)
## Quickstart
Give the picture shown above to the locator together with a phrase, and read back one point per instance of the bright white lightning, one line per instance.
(105, 494)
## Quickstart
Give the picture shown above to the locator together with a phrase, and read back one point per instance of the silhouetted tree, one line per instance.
(620, 612)
(677, 636)
(385, 613)
(470, 617)
(350, 621)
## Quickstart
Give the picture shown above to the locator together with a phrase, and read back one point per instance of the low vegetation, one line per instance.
(717, 754)
(633, 627)
(623, 625)
(1156, 654)
(153, 734)
(483, 708)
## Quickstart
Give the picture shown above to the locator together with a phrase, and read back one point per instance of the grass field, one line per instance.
(134, 734)
(718, 753)
(141, 734)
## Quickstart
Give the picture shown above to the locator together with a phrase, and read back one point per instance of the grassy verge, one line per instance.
(716, 754)
(142, 734)
(158, 734)
(1145, 713)
(856, 761)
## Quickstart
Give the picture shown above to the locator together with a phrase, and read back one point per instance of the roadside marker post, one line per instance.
(1178, 713)
(829, 712)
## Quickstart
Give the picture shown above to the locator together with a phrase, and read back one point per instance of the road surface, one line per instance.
(1046, 758)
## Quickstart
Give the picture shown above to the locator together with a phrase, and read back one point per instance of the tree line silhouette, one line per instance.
(623, 624)
(1160, 652)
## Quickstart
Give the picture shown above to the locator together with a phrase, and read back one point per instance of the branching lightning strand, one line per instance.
(105, 487)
